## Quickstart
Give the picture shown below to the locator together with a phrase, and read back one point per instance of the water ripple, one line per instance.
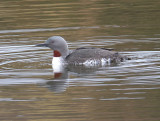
(43, 29)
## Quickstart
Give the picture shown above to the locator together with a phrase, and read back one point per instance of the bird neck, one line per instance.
(57, 64)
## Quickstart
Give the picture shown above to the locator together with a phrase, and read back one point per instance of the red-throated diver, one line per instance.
(81, 56)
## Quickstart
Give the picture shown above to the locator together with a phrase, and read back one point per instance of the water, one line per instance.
(127, 91)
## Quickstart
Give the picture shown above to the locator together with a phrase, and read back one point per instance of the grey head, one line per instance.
(57, 43)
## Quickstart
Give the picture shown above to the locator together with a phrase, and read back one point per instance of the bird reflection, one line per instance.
(60, 81)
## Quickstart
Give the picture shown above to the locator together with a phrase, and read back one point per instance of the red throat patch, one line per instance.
(56, 53)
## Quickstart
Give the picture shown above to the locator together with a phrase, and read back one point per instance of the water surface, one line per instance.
(127, 91)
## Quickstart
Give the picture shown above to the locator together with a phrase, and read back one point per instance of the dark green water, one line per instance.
(125, 92)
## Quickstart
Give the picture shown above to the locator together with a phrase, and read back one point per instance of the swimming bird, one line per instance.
(80, 56)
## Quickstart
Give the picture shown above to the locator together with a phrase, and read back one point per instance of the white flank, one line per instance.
(105, 61)
(94, 62)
